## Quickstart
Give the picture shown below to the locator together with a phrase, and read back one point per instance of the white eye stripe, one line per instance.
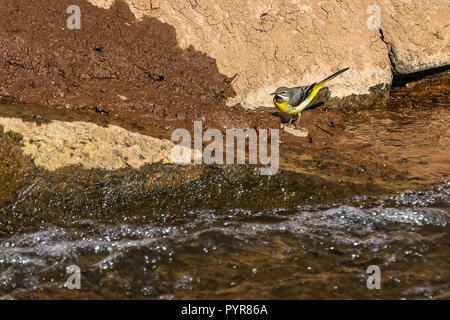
(283, 93)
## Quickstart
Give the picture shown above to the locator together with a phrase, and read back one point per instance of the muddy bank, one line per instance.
(135, 70)
(115, 65)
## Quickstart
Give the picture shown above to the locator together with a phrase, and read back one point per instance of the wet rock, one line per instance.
(14, 167)
(58, 144)
(295, 132)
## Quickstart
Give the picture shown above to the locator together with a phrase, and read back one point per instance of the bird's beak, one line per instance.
(272, 94)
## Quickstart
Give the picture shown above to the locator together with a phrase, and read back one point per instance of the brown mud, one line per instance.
(113, 64)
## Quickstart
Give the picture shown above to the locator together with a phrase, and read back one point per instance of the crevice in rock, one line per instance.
(400, 80)
(391, 52)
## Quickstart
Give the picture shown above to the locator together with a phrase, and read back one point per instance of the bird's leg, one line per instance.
(298, 120)
(290, 121)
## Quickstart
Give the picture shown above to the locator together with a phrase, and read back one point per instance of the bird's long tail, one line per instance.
(320, 84)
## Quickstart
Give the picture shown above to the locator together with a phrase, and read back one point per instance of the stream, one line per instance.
(253, 241)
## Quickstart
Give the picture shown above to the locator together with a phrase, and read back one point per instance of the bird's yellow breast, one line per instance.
(282, 106)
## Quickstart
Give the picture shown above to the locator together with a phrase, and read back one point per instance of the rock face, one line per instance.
(418, 33)
(58, 144)
(269, 43)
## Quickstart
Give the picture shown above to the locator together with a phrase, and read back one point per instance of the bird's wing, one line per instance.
(300, 94)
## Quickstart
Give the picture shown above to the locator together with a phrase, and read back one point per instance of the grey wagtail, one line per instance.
(295, 100)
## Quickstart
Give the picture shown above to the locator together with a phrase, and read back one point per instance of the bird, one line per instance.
(294, 100)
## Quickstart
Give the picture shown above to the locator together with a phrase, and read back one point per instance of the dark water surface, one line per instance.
(305, 252)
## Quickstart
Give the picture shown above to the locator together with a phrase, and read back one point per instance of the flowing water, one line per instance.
(305, 252)
(315, 250)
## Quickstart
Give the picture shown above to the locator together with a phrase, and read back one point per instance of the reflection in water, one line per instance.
(415, 141)
(306, 252)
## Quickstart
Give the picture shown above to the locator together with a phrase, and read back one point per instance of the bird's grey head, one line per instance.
(281, 94)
